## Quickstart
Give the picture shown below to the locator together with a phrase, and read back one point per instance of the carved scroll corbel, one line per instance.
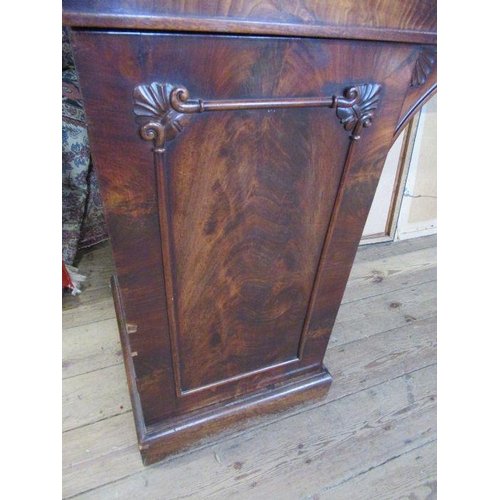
(423, 66)
(162, 109)
(159, 121)
(356, 109)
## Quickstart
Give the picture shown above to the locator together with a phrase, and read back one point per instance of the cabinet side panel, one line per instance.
(243, 291)
(127, 182)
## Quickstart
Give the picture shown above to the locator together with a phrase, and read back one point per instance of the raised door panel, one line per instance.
(248, 217)
(228, 234)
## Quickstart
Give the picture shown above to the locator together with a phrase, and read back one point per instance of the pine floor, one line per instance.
(373, 437)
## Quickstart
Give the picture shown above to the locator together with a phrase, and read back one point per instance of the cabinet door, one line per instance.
(233, 233)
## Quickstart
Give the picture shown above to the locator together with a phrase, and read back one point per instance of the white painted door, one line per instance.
(405, 204)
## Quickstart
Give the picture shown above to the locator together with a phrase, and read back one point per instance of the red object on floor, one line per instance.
(66, 280)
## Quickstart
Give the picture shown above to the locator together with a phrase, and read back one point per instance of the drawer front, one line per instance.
(233, 227)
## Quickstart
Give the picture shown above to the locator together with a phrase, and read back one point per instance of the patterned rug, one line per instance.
(83, 222)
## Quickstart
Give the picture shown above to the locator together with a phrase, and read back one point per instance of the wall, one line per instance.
(418, 214)
(405, 205)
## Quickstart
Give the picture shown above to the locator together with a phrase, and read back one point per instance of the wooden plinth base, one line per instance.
(182, 432)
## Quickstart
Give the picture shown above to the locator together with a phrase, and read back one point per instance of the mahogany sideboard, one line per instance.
(238, 146)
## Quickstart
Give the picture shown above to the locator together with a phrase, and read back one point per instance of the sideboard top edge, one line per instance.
(242, 27)
(379, 20)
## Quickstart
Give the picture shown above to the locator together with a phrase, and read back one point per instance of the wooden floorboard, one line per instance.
(411, 475)
(91, 347)
(374, 435)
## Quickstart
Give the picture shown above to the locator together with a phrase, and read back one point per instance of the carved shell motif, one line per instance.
(423, 67)
(159, 121)
(357, 108)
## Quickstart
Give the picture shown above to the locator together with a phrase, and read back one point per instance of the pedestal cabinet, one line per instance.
(238, 147)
